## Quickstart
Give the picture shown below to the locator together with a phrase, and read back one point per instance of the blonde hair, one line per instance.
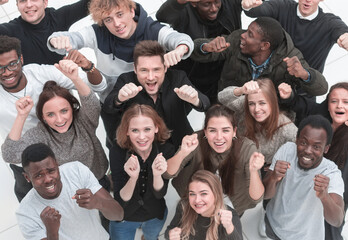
(189, 215)
(99, 8)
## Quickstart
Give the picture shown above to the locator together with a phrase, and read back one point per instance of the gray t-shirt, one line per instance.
(76, 222)
(295, 212)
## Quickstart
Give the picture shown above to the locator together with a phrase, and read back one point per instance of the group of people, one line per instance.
(264, 138)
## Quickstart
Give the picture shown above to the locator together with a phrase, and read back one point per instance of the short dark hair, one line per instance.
(10, 43)
(271, 30)
(148, 48)
(36, 153)
(317, 121)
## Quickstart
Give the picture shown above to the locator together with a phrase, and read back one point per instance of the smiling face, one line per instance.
(120, 22)
(141, 133)
(12, 81)
(219, 134)
(201, 198)
(44, 175)
(208, 9)
(259, 106)
(58, 114)
(32, 11)
(338, 106)
(251, 42)
(311, 146)
(150, 73)
(308, 7)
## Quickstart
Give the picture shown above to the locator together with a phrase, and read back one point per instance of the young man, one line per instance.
(305, 188)
(313, 31)
(37, 22)
(264, 50)
(202, 19)
(63, 200)
(168, 91)
(17, 81)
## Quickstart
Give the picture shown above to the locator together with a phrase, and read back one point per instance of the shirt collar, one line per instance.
(310, 17)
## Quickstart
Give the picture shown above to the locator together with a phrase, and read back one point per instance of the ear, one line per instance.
(135, 68)
(45, 3)
(22, 61)
(156, 129)
(234, 132)
(26, 176)
(165, 68)
(193, 4)
(326, 149)
(133, 12)
(265, 46)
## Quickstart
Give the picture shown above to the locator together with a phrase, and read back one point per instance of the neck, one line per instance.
(261, 58)
(144, 154)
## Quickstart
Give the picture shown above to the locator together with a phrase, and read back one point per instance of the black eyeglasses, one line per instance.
(11, 67)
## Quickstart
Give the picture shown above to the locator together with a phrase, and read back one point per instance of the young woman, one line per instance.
(202, 214)
(256, 104)
(137, 164)
(217, 149)
(66, 126)
(335, 109)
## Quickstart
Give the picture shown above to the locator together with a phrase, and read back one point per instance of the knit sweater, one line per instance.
(34, 36)
(79, 143)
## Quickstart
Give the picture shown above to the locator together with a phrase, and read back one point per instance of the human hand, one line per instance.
(295, 67)
(24, 106)
(86, 199)
(218, 44)
(280, 169)
(226, 220)
(189, 143)
(343, 41)
(256, 162)
(128, 91)
(62, 42)
(173, 57)
(321, 185)
(175, 234)
(159, 165)
(248, 4)
(250, 87)
(51, 219)
(79, 59)
(68, 68)
(132, 167)
(3, 2)
(285, 90)
(188, 94)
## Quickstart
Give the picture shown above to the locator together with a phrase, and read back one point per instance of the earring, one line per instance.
(204, 137)
(234, 138)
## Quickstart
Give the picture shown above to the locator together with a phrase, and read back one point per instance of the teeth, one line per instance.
(120, 29)
(50, 187)
(219, 144)
(61, 125)
(306, 159)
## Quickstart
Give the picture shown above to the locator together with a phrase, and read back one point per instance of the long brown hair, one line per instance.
(189, 215)
(50, 90)
(136, 110)
(270, 125)
(227, 168)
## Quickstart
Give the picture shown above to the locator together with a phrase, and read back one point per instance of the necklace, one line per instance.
(25, 93)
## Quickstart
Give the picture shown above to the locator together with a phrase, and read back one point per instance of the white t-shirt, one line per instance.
(295, 212)
(76, 222)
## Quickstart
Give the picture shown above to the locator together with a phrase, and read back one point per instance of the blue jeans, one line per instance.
(125, 230)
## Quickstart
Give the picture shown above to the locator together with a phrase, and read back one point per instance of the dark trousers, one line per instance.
(22, 186)
(269, 230)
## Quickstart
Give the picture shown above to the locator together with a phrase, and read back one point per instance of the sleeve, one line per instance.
(175, 221)
(12, 150)
(71, 13)
(170, 39)
(172, 12)
(280, 154)
(31, 227)
(87, 178)
(90, 109)
(227, 98)
(337, 26)
(85, 37)
(186, 161)
(9, 28)
(266, 9)
(336, 184)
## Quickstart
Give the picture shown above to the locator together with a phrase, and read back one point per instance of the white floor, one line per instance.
(335, 71)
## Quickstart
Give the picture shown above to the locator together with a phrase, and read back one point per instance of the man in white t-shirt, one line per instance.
(64, 201)
(305, 187)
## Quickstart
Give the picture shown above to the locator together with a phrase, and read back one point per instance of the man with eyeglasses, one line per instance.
(37, 22)
(202, 19)
(17, 81)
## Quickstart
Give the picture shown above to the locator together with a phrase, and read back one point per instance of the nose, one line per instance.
(141, 134)
(47, 178)
(339, 104)
(116, 22)
(29, 3)
(213, 7)
(243, 35)
(308, 149)
(218, 134)
(197, 199)
(59, 118)
(150, 75)
(257, 107)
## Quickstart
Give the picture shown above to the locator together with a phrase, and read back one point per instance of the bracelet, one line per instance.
(89, 70)
(118, 100)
